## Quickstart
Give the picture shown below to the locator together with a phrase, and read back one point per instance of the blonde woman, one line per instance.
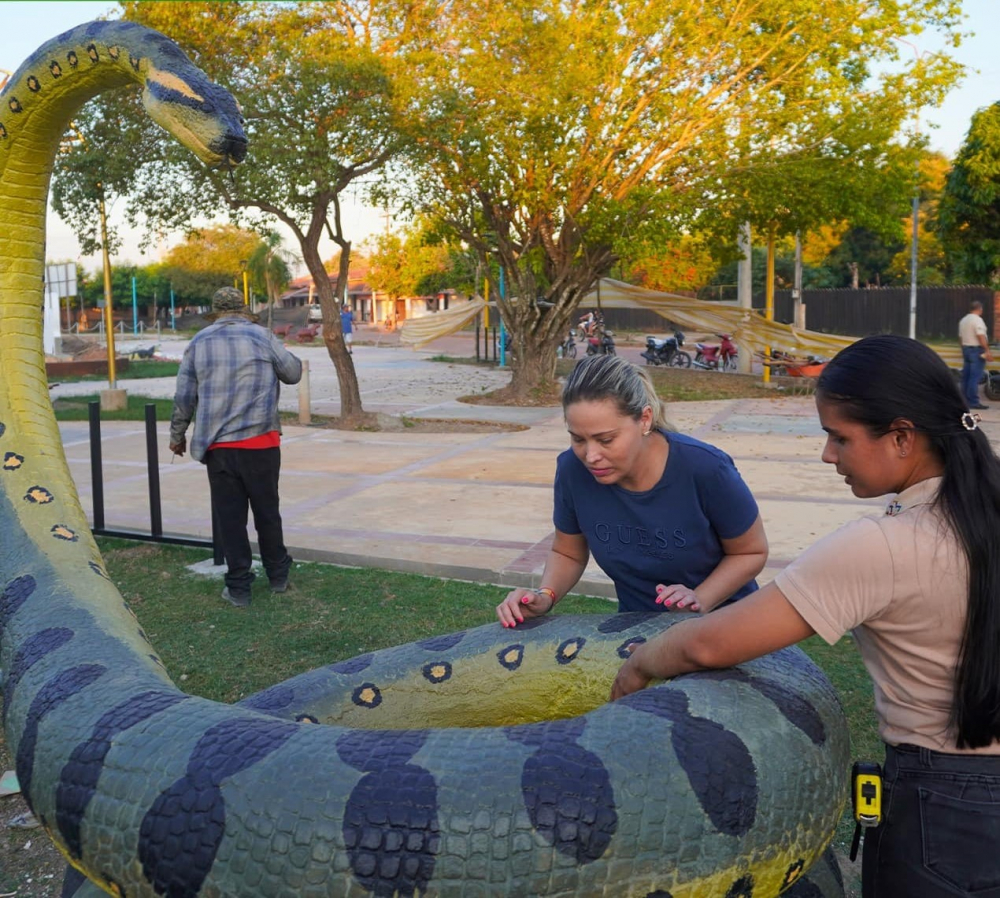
(667, 517)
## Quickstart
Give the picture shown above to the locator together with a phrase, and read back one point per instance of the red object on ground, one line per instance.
(804, 370)
(307, 334)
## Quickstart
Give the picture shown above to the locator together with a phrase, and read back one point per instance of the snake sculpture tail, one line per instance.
(478, 763)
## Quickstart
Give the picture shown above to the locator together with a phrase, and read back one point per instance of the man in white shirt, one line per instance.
(975, 353)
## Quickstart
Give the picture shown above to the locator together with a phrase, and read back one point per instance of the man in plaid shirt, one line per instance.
(230, 376)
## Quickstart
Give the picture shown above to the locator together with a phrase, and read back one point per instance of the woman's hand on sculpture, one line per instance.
(631, 677)
(677, 597)
(521, 605)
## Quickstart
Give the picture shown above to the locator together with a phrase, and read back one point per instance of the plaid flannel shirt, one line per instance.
(229, 375)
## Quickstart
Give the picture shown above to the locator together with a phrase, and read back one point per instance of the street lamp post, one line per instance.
(246, 293)
(109, 319)
(913, 261)
(918, 55)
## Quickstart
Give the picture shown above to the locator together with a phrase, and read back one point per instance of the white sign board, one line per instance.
(50, 327)
(61, 279)
(60, 282)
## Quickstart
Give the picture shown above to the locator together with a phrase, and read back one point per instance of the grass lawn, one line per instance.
(683, 384)
(136, 369)
(76, 408)
(332, 613)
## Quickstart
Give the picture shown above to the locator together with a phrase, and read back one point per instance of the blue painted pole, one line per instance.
(503, 332)
(173, 316)
(135, 309)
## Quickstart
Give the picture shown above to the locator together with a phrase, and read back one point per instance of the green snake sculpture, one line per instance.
(478, 763)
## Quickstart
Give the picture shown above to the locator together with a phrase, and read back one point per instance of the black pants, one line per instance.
(940, 832)
(239, 478)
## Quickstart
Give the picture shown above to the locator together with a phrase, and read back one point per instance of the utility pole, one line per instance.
(769, 298)
(913, 263)
(799, 307)
(744, 287)
(113, 398)
(918, 56)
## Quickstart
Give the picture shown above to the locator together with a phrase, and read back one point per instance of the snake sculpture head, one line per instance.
(474, 764)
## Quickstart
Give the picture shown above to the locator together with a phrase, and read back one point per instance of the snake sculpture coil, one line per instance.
(478, 763)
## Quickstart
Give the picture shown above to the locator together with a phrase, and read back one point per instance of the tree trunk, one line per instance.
(351, 411)
(536, 330)
(533, 364)
(538, 306)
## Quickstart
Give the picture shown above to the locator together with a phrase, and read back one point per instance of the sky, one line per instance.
(27, 24)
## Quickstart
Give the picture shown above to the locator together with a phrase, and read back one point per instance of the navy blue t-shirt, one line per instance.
(668, 534)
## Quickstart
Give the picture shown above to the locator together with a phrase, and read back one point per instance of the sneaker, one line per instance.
(279, 585)
(978, 406)
(240, 601)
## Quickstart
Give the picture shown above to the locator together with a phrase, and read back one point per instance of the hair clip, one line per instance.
(970, 421)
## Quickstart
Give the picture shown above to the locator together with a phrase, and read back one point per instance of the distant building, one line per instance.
(368, 305)
(302, 292)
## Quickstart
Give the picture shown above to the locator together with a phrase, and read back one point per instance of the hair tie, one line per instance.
(970, 421)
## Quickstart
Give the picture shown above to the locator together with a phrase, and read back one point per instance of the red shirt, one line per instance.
(269, 440)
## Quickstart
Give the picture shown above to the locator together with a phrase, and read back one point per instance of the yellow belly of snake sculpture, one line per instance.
(474, 764)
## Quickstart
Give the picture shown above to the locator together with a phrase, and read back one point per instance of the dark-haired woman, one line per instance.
(667, 517)
(920, 589)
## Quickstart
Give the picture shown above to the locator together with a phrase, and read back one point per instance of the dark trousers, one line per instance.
(242, 478)
(973, 365)
(940, 831)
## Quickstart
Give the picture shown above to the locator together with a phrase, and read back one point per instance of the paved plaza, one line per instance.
(474, 506)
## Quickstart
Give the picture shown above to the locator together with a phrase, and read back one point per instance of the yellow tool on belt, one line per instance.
(866, 799)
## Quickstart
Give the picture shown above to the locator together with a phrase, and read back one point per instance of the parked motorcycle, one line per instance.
(992, 385)
(507, 344)
(601, 343)
(667, 351)
(567, 349)
(716, 356)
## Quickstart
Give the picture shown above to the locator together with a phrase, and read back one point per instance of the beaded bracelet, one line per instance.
(544, 590)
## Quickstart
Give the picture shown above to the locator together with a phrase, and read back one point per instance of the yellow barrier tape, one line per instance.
(419, 331)
(747, 327)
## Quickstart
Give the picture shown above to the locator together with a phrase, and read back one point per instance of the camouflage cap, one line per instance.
(229, 301)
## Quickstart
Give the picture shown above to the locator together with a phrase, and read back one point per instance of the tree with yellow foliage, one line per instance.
(555, 134)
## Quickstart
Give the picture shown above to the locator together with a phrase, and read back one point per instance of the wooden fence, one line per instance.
(886, 310)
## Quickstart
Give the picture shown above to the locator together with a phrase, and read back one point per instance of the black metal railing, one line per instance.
(155, 533)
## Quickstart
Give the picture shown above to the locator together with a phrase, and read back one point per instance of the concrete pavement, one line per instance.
(475, 506)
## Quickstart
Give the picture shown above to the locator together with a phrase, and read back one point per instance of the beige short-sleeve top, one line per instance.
(898, 583)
